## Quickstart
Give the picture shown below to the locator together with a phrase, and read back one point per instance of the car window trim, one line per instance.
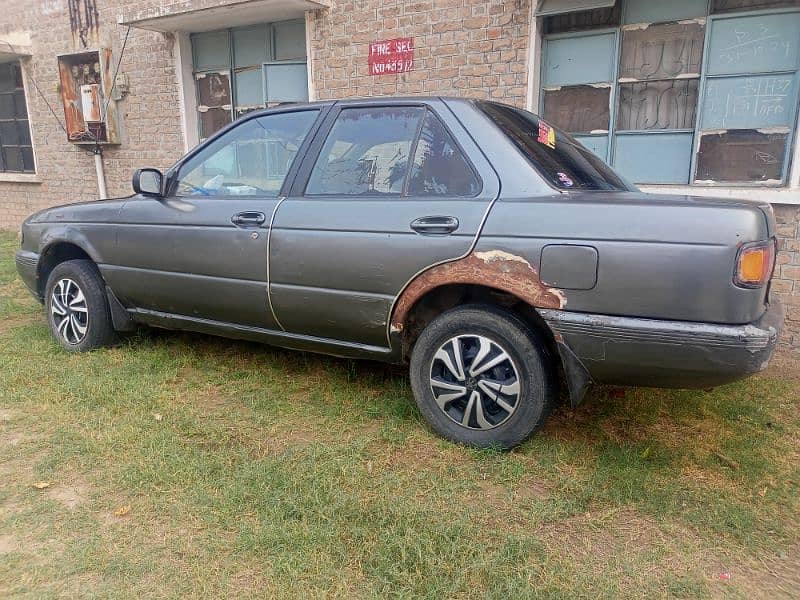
(412, 153)
(173, 173)
(298, 189)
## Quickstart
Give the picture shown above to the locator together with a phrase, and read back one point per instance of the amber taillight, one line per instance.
(754, 264)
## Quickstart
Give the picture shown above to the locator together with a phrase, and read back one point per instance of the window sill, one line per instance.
(20, 178)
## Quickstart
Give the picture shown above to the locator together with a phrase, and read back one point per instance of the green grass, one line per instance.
(247, 471)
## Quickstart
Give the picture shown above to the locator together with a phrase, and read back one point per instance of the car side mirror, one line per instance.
(148, 182)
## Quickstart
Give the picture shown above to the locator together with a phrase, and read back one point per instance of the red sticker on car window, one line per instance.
(547, 135)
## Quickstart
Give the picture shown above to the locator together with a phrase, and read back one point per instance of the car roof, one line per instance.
(365, 101)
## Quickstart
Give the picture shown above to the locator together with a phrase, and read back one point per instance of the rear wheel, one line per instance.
(481, 377)
(77, 307)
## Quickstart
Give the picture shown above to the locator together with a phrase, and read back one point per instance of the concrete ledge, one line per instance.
(206, 15)
(20, 178)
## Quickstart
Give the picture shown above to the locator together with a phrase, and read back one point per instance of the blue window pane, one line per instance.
(584, 59)
(746, 102)
(654, 158)
(290, 40)
(249, 88)
(286, 82)
(596, 143)
(754, 44)
(647, 11)
(211, 50)
(250, 46)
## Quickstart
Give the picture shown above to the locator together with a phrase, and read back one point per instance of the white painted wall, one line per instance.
(187, 91)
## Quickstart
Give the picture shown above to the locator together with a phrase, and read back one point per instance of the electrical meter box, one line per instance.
(90, 102)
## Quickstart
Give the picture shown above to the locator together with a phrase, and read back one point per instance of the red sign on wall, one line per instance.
(388, 57)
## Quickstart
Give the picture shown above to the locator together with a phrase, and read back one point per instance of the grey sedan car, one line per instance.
(486, 248)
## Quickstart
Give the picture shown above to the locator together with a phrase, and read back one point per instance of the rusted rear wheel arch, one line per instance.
(495, 276)
(442, 298)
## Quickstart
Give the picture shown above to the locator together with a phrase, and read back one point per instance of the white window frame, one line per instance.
(20, 176)
(789, 193)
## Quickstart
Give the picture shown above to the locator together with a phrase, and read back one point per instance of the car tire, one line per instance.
(77, 307)
(502, 367)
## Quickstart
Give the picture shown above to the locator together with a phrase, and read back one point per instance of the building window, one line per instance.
(242, 69)
(669, 93)
(16, 151)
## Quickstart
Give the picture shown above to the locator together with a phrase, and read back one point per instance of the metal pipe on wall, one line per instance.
(101, 174)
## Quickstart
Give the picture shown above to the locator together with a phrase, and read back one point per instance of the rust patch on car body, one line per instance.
(496, 269)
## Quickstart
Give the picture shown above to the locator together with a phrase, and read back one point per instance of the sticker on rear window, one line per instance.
(565, 179)
(547, 135)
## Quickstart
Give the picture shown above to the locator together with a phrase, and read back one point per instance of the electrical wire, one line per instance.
(97, 148)
(29, 71)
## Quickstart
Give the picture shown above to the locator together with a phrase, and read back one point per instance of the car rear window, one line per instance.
(559, 157)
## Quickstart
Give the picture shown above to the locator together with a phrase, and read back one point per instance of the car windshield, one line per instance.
(559, 157)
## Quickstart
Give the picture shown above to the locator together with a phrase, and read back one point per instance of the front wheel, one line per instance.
(77, 307)
(481, 377)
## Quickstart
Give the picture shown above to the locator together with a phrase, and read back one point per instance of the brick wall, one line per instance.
(461, 47)
(786, 282)
(151, 123)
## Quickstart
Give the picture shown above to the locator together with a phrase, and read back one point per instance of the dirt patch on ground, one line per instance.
(505, 505)
(11, 438)
(267, 443)
(70, 496)
(504, 496)
(595, 537)
(785, 364)
(775, 576)
(7, 325)
(8, 544)
(417, 453)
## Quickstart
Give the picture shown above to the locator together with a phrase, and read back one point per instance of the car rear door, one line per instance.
(201, 251)
(386, 191)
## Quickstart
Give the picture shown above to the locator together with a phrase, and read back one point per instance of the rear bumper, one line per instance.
(676, 354)
(28, 268)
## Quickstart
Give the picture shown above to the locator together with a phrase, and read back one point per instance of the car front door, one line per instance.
(201, 251)
(385, 191)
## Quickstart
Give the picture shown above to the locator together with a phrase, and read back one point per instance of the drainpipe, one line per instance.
(101, 174)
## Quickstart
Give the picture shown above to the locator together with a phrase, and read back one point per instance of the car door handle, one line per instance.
(249, 218)
(435, 225)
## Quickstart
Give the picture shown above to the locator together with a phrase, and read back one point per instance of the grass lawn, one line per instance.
(181, 465)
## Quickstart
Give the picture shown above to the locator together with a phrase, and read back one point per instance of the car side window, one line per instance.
(251, 159)
(366, 152)
(439, 167)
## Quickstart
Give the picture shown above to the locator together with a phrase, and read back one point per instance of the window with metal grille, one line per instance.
(246, 68)
(678, 92)
(16, 151)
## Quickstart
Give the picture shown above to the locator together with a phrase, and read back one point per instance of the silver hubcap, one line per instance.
(69, 311)
(475, 382)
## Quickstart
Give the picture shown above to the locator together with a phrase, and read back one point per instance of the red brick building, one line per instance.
(688, 96)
